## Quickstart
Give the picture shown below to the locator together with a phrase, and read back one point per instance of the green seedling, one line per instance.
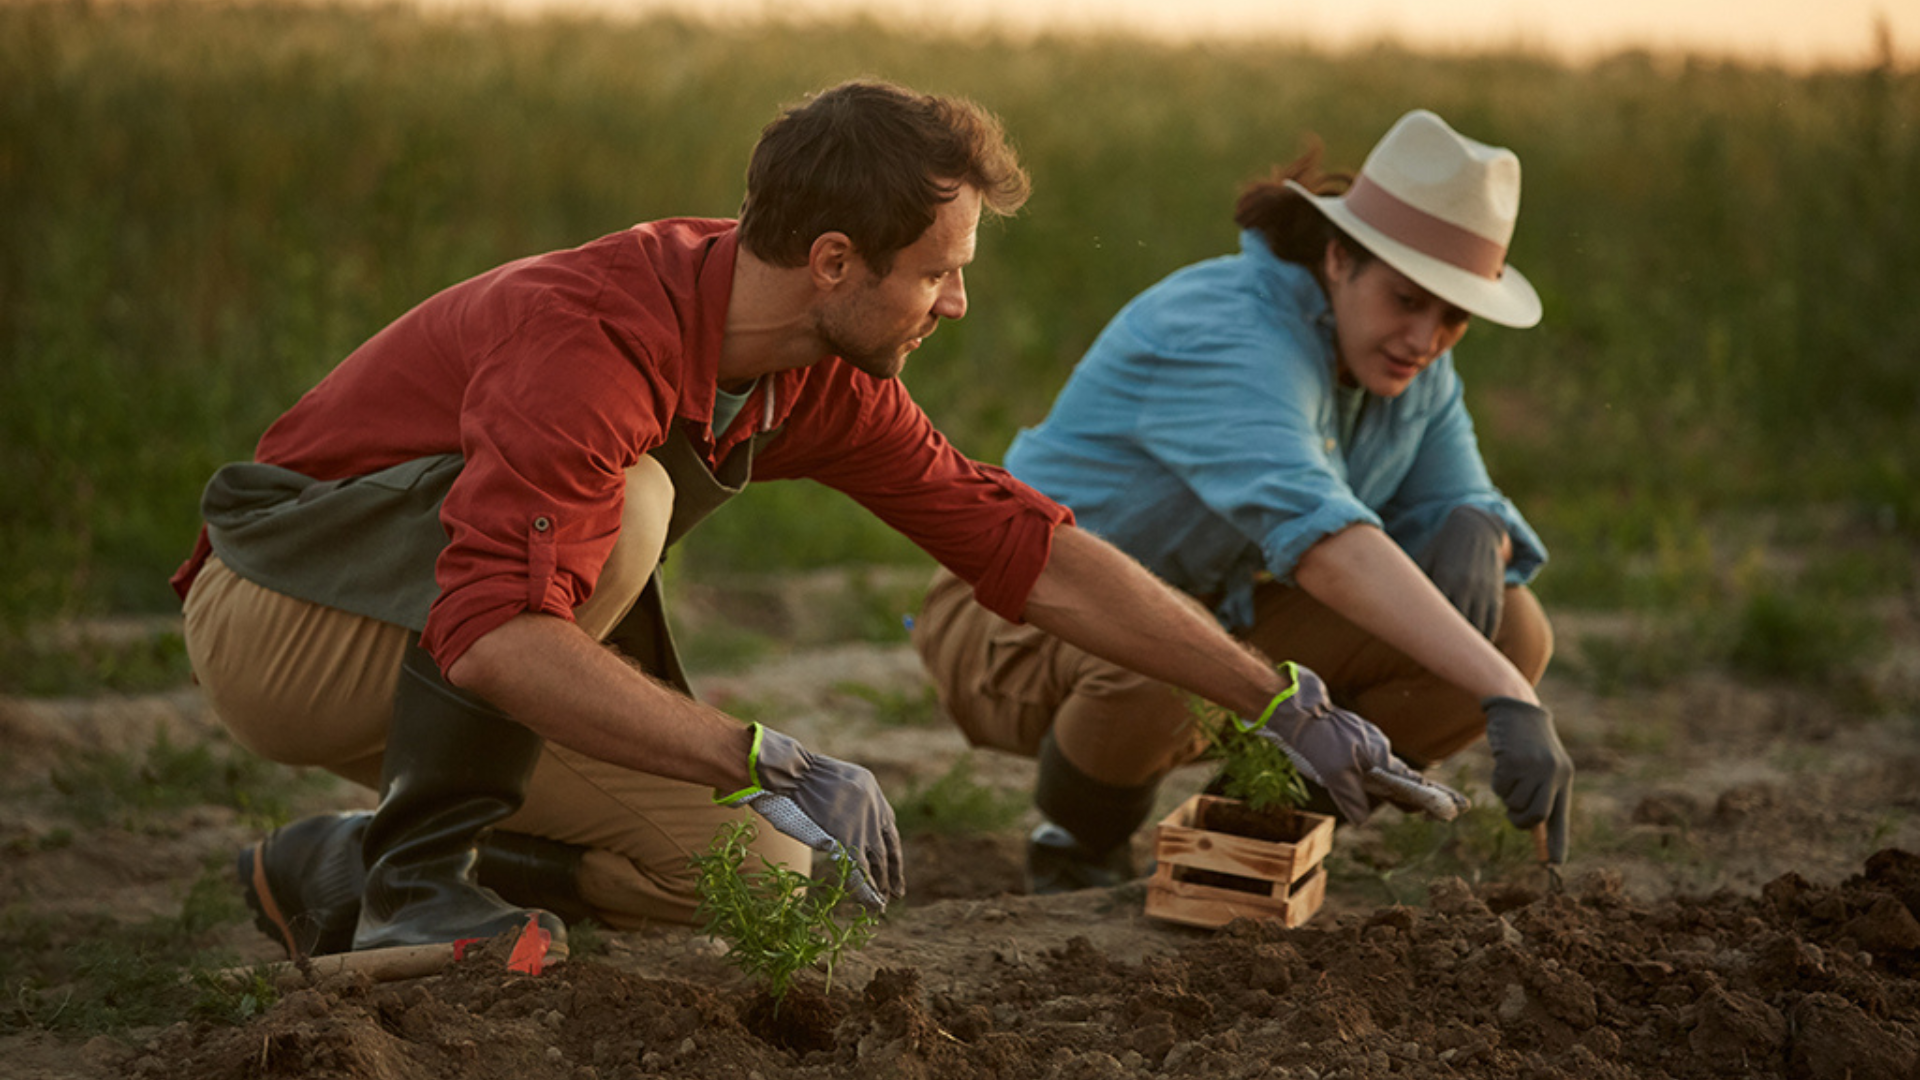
(1406, 853)
(223, 998)
(776, 922)
(1253, 769)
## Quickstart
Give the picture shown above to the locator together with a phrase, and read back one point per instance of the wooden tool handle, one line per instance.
(381, 965)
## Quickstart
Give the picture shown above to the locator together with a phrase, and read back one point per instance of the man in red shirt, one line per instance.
(412, 582)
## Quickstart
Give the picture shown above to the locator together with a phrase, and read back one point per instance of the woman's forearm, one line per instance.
(1363, 575)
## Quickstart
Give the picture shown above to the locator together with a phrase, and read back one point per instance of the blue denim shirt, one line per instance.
(1201, 435)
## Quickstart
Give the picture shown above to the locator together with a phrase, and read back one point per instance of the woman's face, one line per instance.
(1387, 329)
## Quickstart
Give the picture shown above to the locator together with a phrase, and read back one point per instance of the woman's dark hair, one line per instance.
(1293, 227)
(875, 161)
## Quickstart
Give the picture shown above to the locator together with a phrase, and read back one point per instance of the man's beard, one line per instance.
(881, 362)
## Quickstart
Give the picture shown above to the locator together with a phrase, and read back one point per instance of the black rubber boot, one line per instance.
(1084, 841)
(303, 881)
(454, 768)
(535, 872)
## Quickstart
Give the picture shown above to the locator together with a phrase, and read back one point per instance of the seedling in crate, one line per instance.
(1253, 769)
(777, 922)
(1248, 852)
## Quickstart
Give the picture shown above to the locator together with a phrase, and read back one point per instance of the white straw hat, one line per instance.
(1440, 207)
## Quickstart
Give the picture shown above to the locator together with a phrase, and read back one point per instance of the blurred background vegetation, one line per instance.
(203, 208)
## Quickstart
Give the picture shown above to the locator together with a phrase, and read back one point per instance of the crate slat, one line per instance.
(1296, 882)
(1210, 906)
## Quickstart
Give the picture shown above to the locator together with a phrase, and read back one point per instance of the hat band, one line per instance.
(1424, 232)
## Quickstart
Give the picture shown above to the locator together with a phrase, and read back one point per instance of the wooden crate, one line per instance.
(1290, 881)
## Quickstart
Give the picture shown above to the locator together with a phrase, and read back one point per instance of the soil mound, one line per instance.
(1802, 981)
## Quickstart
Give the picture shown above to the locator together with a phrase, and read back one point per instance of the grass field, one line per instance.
(203, 208)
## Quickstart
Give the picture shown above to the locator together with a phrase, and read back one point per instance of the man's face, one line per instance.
(873, 322)
(1387, 328)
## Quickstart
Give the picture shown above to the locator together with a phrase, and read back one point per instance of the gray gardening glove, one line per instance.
(1463, 559)
(829, 805)
(1532, 773)
(1339, 751)
(1414, 793)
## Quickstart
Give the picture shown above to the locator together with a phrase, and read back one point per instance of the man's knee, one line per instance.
(644, 518)
(629, 891)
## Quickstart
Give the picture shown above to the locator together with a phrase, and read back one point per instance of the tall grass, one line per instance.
(203, 208)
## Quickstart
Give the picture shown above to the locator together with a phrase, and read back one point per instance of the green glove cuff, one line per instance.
(753, 773)
(1293, 687)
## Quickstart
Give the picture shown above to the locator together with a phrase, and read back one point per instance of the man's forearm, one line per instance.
(1096, 597)
(549, 675)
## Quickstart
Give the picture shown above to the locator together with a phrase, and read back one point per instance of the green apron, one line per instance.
(368, 544)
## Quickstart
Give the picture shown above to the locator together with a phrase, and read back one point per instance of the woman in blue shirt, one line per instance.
(1281, 434)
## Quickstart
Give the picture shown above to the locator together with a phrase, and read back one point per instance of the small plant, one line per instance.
(232, 999)
(777, 922)
(1406, 853)
(1253, 769)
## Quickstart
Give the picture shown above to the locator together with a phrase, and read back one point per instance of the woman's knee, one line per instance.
(1525, 635)
(1126, 729)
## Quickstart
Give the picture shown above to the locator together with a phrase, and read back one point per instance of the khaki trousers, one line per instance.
(1006, 685)
(303, 684)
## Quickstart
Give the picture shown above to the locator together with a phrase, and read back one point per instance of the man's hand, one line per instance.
(1464, 560)
(1332, 747)
(1532, 773)
(829, 805)
(1408, 790)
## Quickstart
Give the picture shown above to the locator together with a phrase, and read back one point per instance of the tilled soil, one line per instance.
(1805, 980)
(1742, 902)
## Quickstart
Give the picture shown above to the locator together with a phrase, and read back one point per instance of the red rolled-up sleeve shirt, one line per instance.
(553, 375)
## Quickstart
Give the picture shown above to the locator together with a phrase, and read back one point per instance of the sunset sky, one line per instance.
(1795, 32)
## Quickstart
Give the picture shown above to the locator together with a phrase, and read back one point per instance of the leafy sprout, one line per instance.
(777, 922)
(1254, 770)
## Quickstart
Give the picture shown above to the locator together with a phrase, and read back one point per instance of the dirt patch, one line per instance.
(1803, 981)
(1743, 901)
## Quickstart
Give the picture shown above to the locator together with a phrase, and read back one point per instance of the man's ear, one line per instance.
(830, 260)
